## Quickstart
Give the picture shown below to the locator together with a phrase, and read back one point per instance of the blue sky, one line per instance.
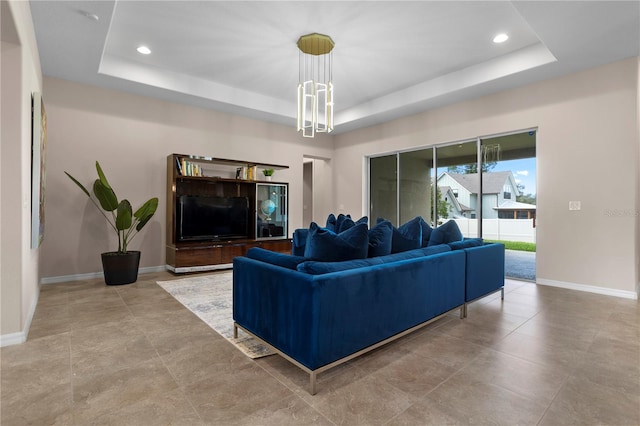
(523, 170)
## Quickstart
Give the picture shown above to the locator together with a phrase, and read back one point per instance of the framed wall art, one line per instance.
(38, 145)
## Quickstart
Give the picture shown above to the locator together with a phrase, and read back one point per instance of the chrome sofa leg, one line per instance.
(312, 382)
(502, 293)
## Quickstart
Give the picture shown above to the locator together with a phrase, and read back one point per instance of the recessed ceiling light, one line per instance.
(144, 50)
(500, 38)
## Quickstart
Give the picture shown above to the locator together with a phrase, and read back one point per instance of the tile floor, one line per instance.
(132, 355)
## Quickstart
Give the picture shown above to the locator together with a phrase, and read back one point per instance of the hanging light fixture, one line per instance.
(315, 90)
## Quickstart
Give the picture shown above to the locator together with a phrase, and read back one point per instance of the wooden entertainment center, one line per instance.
(206, 178)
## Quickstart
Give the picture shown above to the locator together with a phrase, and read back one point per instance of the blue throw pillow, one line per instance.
(380, 239)
(347, 223)
(408, 236)
(340, 220)
(448, 232)
(466, 243)
(299, 241)
(426, 232)
(327, 246)
(332, 223)
(274, 258)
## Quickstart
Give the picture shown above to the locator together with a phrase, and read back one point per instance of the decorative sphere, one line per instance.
(268, 207)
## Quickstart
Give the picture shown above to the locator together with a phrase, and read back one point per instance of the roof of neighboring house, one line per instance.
(515, 205)
(492, 183)
(446, 190)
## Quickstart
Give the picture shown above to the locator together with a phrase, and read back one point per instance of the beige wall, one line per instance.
(131, 136)
(18, 263)
(587, 138)
(587, 128)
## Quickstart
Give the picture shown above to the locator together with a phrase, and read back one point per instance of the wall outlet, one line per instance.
(574, 205)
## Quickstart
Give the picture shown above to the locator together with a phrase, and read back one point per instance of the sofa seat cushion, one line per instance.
(446, 233)
(275, 258)
(327, 246)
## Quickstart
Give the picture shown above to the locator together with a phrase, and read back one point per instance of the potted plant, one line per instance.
(267, 173)
(120, 267)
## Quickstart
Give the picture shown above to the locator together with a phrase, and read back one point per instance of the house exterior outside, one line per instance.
(499, 192)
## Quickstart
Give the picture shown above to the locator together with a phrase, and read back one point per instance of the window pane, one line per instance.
(383, 189)
(458, 186)
(415, 185)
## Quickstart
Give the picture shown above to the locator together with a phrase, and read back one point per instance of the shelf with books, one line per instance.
(199, 166)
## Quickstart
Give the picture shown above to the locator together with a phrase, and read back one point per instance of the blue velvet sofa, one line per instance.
(320, 314)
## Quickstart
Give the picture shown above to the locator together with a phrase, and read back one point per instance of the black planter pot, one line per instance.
(120, 268)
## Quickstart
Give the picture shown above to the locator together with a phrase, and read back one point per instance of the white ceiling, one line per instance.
(391, 58)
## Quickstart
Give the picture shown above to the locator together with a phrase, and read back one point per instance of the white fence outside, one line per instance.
(499, 229)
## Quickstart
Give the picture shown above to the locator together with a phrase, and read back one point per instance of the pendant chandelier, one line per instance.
(315, 90)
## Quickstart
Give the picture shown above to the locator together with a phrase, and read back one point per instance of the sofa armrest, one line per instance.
(484, 270)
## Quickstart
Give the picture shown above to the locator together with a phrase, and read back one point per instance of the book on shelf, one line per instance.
(187, 168)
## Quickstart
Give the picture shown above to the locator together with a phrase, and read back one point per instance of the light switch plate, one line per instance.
(574, 205)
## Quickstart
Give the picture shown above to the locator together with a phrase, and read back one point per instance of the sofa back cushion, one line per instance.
(466, 243)
(318, 268)
(327, 246)
(446, 233)
(275, 258)
(440, 248)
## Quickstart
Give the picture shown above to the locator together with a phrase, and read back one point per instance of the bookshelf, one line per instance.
(189, 175)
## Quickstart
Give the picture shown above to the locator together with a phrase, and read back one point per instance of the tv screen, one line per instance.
(201, 218)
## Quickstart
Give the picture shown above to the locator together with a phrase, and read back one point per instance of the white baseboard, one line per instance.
(589, 288)
(21, 336)
(91, 275)
(185, 269)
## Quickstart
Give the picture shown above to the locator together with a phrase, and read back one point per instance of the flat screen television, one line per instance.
(210, 218)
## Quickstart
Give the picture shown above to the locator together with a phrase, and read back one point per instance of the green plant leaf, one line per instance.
(124, 215)
(105, 196)
(144, 213)
(101, 175)
(86, 191)
(147, 209)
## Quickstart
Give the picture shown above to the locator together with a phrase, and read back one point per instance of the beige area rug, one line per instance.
(210, 297)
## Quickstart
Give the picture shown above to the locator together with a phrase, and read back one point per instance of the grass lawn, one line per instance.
(516, 245)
